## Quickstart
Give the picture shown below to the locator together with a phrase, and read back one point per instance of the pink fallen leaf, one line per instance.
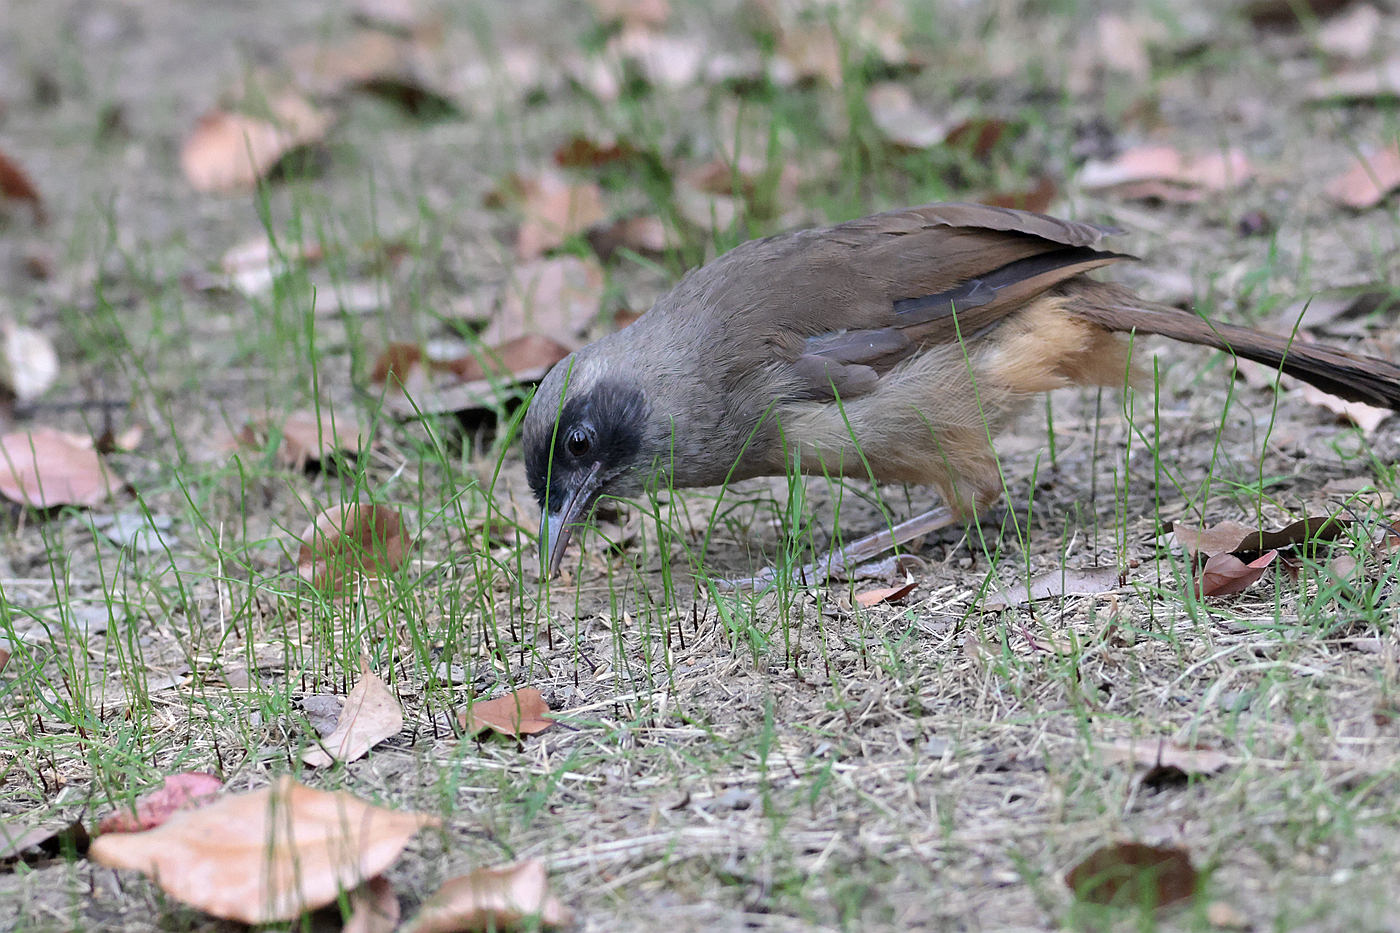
(351, 541)
(45, 468)
(184, 791)
(306, 436)
(1166, 173)
(557, 297)
(491, 899)
(1366, 417)
(555, 209)
(1370, 179)
(885, 594)
(523, 712)
(371, 714)
(1226, 574)
(229, 152)
(1163, 754)
(266, 856)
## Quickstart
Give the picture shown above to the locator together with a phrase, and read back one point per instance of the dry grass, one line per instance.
(785, 760)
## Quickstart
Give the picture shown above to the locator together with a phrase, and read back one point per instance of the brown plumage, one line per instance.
(892, 348)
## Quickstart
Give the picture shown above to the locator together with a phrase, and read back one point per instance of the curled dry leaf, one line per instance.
(351, 541)
(20, 845)
(1056, 584)
(15, 185)
(229, 152)
(1220, 538)
(44, 468)
(1164, 173)
(266, 856)
(886, 594)
(1244, 540)
(1366, 417)
(523, 712)
(30, 363)
(184, 791)
(491, 899)
(374, 908)
(1370, 179)
(306, 436)
(1134, 875)
(1226, 574)
(558, 298)
(371, 714)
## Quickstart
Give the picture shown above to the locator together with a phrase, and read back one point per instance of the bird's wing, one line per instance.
(847, 303)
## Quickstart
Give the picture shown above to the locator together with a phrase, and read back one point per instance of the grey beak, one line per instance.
(556, 528)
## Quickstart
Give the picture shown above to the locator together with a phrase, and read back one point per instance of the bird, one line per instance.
(891, 348)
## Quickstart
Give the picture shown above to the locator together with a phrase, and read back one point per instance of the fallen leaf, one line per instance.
(632, 13)
(253, 266)
(1226, 574)
(1164, 754)
(555, 210)
(184, 791)
(902, 121)
(978, 136)
(265, 856)
(230, 152)
(374, 908)
(1372, 83)
(1366, 417)
(29, 365)
(43, 842)
(45, 468)
(1226, 916)
(663, 61)
(1245, 541)
(15, 184)
(1165, 173)
(350, 541)
(1353, 34)
(644, 235)
(1369, 180)
(1056, 584)
(371, 714)
(1134, 875)
(523, 712)
(586, 152)
(1122, 47)
(1290, 12)
(1220, 538)
(1036, 200)
(806, 52)
(886, 594)
(326, 69)
(558, 298)
(306, 437)
(491, 899)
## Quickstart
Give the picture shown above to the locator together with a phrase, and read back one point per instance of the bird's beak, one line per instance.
(556, 528)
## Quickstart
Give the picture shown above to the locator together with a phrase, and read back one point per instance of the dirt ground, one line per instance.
(787, 760)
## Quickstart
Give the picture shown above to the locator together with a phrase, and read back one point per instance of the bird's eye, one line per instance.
(578, 443)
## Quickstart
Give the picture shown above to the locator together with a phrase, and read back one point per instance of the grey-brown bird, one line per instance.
(890, 348)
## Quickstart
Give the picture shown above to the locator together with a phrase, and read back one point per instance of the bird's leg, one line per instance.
(855, 553)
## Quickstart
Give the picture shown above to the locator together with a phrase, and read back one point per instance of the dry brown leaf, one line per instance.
(632, 13)
(1037, 199)
(4, 657)
(29, 365)
(557, 298)
(491, 899)
(374, 908)
(525, 354)
(15, 185)
(370, 715)
(1381, 81)
(1164, 172)
(1226, 574)
(1366, 417)
(1164, 754)
(806, 52)
(555, 210)
(1056, 584)
(44, 842)
(583, 151)
(644, 234)
(1220, 538)
(351, 541)
(1122, 46)
(45, 468)
(184, 791)
(523, 712)
(306, 436)
(1353, 34)
(229, 152)
(266, 856)
(1369, 181)
(1134, 875)
(886, 594)
(900, 119)
(368, 55)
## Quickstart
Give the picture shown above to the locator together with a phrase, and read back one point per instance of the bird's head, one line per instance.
(584, 438)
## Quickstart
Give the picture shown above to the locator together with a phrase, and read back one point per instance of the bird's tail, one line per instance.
(1352, 376)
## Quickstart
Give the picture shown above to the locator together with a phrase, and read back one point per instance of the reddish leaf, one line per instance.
(1226, 574)
(1164, 173)
(307, 437)
(1038, 199)
(46, 468)
(352, 540)
(554, 210)
(1369, 180)
(1134, 875)
(15, 184)
(523, 712)
(184, 791)
(584, 152)
(265, 856)
(491, 899)
(371, 714)
(885, 594)
(229, 152)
